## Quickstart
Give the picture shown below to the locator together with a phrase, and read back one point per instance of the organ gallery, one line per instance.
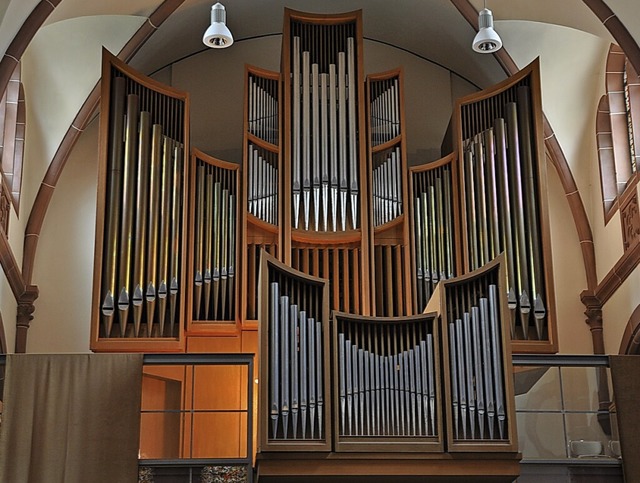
(387, 298)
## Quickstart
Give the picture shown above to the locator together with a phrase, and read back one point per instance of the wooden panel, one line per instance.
(367, 467)
(214, 345)
(160, 432)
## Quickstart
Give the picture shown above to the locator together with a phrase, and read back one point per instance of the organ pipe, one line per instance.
(139, 260)
(295, 339)
(503, 178)
(215, 187)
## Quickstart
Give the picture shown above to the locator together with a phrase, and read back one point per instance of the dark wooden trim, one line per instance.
(25, 316)
(630, 343)
(617, 29)
(24, 294)
(18, 45)
(3, 337)
(11, 268)
(625, 265)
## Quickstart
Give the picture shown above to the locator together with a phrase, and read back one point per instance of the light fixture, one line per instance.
(218, 36)
(487, 39)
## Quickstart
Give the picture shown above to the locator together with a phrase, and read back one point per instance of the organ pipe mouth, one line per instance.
(487, 39)
(218, 35)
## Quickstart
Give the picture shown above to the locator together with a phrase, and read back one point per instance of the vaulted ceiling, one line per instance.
(432, 29)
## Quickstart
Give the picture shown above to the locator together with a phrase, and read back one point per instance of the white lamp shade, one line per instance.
(218, 36)
(487, 39)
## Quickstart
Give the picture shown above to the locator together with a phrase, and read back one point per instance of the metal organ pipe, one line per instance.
(324, 135)
(501, 188)
(144, 200)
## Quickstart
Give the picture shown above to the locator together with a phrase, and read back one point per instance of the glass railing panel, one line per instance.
(580, 388)
(541, 436)
(538, 388)
(563, 411)
(196, 423)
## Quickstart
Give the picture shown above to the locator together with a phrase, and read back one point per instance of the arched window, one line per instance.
(12, 130)
(618, 141)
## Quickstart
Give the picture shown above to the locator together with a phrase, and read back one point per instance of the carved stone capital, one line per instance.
(594, 318)
(24, 316)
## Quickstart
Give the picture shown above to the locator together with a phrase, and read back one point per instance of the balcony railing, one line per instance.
(563, 410)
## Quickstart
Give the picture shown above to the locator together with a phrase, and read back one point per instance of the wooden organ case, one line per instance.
(347, 212)
(503, 201)
(325, 217)
(326, 231)
(139, 270)
(430, 393)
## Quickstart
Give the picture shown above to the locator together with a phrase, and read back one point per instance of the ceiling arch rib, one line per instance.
(618, 30)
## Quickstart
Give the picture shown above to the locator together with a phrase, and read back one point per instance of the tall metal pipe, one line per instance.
(142, 199)
(128, 199)
(116, 146)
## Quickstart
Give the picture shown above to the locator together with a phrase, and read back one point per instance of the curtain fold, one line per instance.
(71, 418)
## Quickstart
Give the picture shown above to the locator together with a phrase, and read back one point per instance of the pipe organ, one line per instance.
(503, 200)
(294, 338)
(261, 177)
(139, 264)
(325, 228)
(434, 273)
(386, 384)
(214, 185)
(324, 145)
(478, 376)
(433, 188)
(392, 295)
(436, 382)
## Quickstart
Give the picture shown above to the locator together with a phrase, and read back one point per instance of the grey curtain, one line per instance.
(71, 418)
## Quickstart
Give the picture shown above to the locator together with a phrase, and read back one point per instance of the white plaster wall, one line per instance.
(64, 260)
(59, 69)
(569, 276)
(16, 13)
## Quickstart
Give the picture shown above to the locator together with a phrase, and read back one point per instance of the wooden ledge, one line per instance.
(387, 467)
